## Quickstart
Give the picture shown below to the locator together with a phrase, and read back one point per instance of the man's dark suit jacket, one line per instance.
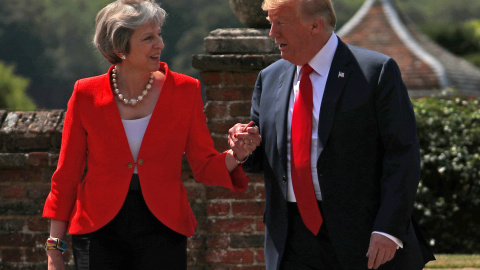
(368, 164)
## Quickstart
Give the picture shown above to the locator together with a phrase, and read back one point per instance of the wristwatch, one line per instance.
(55, 243)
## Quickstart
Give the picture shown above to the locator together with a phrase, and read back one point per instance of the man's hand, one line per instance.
(380, 251)
(243, 139)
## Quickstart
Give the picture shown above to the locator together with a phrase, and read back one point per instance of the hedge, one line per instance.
(448, 200)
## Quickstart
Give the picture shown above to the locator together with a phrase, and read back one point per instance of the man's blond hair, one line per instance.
(308, 9)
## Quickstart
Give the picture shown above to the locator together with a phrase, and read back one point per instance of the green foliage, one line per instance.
(448, 200)
(446, 11)
(458, 38)
(12, 90)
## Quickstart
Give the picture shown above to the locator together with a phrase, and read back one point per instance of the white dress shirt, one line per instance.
(320, 63)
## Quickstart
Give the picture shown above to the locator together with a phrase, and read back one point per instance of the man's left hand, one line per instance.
(380, 251)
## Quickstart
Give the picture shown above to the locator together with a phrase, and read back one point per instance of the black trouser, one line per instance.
(304, 250)
(134, 239)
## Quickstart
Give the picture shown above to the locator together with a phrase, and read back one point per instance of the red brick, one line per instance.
(195, 191)
(216, 110)
(53, 160)
(38, 159)
(260, 192)
(255, 177)
(224, 193)
(229, 94)
(12, 255)
(240, 109)
(247, 79)
(17, 240)
(195, 242)
(218, 241)
(247, 208)
(12, 192)
(220, 142)
(229, 256)
(230, 225)
(21, 175)
(35, 255)
(12, 224)
(218, 209)
(260, 226)
(221, 126)
(38, 224)
(211, 78)
(37, 191)
(260, 256)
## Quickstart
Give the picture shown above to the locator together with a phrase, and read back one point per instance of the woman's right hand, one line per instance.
(55, 260)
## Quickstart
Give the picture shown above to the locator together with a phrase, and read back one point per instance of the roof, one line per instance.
(426, 67)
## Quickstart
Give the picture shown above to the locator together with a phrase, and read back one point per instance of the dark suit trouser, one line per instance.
(134, 239)
(304, 250)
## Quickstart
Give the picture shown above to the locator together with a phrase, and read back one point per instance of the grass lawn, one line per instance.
(454, 261)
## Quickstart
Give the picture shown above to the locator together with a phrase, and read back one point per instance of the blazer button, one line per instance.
(284, 179)
(130, 165)
(140, 162)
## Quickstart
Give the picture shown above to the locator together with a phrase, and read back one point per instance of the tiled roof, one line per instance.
(425, 66)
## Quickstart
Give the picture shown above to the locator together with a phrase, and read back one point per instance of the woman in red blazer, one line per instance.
(131, 128)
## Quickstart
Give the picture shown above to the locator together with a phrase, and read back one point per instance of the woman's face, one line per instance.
(146, 45)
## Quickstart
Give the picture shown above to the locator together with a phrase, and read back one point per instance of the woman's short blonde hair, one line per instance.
(308, 9)
(116, 23)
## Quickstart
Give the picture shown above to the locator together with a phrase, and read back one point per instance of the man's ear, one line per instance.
(317, 26)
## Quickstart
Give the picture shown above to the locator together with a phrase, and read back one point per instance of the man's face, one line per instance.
(293, 36)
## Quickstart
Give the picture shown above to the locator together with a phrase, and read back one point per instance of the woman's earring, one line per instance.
(124, 57)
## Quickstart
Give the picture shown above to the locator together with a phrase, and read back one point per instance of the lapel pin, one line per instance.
(341, 74)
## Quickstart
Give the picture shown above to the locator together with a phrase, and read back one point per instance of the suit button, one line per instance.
(284, 179)
(130, 165)
(140, 162)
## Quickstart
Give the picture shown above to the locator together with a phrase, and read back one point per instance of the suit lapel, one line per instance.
(338, 76)
(281, 110)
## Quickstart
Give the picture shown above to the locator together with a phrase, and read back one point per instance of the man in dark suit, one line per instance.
(339, 150)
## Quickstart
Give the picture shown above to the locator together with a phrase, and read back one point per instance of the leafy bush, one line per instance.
(448, 201)
(12, 90)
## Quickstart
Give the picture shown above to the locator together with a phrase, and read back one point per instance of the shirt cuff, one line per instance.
(393, 238)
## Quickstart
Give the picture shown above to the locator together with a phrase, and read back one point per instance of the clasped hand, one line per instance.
(244, 139)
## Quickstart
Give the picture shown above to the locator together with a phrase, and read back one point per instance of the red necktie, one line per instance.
(301, 141)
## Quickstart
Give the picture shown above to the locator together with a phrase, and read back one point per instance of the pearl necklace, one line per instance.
(132, 101)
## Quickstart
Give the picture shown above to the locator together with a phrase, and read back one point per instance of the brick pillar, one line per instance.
(233, 230)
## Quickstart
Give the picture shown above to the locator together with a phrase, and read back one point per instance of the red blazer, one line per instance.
(93, 134)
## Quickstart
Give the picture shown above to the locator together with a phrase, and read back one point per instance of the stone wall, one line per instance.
(230, 230)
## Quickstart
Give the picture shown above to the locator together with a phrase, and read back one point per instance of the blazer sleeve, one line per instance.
(401, 161)
(71, 163)
(254, 163)
(207, 164)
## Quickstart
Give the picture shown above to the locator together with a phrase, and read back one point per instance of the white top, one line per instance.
(320, 63)
(135, 129)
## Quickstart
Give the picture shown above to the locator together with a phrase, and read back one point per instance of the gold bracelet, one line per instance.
(237, 160)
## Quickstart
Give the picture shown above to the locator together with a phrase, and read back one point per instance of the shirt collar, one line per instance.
(322, 61)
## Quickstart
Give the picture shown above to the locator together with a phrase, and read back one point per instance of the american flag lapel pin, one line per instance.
(341, 74)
